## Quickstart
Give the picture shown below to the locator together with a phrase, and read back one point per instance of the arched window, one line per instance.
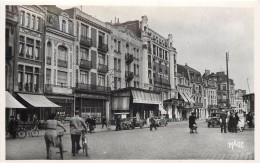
(62, 53)
(63, 26)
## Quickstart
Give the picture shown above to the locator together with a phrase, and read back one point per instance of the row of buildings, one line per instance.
(62, 60)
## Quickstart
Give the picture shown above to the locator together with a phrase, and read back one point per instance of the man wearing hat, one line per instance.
(223, 121)
(192, 120)
(76, 126)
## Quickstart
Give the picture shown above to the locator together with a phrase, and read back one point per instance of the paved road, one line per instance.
(173, 142)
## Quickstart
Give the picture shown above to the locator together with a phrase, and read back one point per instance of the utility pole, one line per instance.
(248, 86)
(227, 58)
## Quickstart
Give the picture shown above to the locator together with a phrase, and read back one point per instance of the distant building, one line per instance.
(239, 93)
(249, 100)
(210, 93)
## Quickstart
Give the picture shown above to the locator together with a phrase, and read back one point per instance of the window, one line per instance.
(48, 76)
(37, 25)
(84, 77)
(115, 82)
(63, 26)
(62, 78)
(84, 30)
(29, 51)
(21, 49)
(20, 77)
(84, 53)
(119, 83)
(27, 20)
(62, 53)
(224, 87)
(115, 44)
(36, 80)
(101, 59)
(28, 78)
(119, 65)
(37, 52)
(166, 56)
(119, 46)
(49, 53)
(137, 69)
(115, 63)
(101, 80)
(22, 18)
(32, 22)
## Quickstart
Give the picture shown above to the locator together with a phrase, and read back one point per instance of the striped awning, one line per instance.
(11, 102)
(38, 100)
(188, 97)
(145, 97)
(120, 103)
(183, 96)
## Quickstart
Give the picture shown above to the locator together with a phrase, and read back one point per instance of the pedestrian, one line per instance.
(118, 123)
(153, 123)
(35, 121)
(223, 121)
(233, 123)
(104, 121)
(51, 138)
(13, 124)
(250, 120)
(230, 120)
(192, 121)
(76, 126)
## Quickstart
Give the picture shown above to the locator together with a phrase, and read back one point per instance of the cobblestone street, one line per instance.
(173, 142)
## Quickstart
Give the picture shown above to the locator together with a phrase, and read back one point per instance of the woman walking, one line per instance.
(50, 136)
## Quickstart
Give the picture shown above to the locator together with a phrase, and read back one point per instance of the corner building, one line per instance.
(158, 66)
(92, 91)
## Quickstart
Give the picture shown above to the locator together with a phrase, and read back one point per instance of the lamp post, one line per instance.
(227, 58)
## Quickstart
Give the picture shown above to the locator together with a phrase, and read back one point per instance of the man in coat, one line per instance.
(118, 123)
(223, 121)
(13, 124)
(192, 120)
(104, 121)
(153, 123)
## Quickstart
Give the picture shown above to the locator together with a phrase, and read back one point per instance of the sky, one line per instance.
(201, 35)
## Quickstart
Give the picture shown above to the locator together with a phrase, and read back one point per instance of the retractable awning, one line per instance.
(11, 102)
(145, 97)
(183, 96)
(162, 109)
(120, 103)
(188, 97)
(38, 100)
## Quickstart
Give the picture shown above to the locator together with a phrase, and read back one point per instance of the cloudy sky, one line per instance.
(202, 35)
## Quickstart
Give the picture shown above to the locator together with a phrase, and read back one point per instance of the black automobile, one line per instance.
(214, 120)
(132, 122)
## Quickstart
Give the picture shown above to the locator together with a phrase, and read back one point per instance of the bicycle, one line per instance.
(61, 145)
(34, 132)
(21, 132)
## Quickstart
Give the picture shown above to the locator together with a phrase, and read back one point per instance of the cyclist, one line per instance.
(50, 137)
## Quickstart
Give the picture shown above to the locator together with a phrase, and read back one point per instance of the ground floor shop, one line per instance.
(92, 105)
(136, 102)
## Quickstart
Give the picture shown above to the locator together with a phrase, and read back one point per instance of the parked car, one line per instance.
(214, 120)
(161, 121)
(132, 122)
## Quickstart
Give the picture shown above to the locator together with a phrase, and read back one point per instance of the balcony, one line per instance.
(198, 104)
(85, 64)
(129, 75)
(102, 68)
(103, 47)
(57, 89)
(222, 100)
(95, 88)
(85, 41)
(48, 60)
(129, 57)
(62, 63)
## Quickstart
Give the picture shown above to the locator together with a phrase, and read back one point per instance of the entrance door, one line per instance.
(184, 114)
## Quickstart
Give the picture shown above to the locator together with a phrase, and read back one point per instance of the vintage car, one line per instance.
(132, 122)
(160, 121)
(214, 120)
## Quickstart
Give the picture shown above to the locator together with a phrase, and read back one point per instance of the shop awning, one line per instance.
(183, 96)
(11, 102)
(145, 97)
(188, 97)
(162, 109)
(38, 100)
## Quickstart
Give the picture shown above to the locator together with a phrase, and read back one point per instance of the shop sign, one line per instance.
(92, 96)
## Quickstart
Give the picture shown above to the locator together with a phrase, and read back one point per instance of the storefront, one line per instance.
(36, 104)
(94, 105)
(138, 102)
